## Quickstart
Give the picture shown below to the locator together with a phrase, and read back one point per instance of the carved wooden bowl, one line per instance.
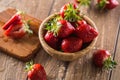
(64, 56)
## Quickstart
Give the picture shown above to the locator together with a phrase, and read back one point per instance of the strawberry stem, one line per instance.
(29, 65)
(101, 4)
(53, 25)
(109, 63)
(72, 13)
(25, 23)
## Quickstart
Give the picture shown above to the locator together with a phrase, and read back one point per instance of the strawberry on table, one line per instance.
(102, 58)
(51, 40)
(35, 71)
(107, 4)
(71, 44)
(85, 31)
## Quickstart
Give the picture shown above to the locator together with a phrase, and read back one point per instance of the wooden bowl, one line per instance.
(64, 56)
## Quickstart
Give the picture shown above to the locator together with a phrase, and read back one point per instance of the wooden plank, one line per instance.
(12, 68)
(106, 22)
(115, 73)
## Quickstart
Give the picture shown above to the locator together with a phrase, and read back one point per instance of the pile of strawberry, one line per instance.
(68, 31)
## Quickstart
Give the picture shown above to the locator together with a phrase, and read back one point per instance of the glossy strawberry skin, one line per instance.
(112, 4)
(100, 56)
(14, 19)
(65, 29)
(85, 32)
(51, 40)
(109, 4)
(37, 73)
(71, 44)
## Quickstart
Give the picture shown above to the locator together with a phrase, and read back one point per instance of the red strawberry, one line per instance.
(70, 12)
(71, 44)
(102, 58)
(51, 40)
(65, 28)
(15, 31)
(85, 31)
(15, 27)
(35, 72)
(107, 4)
(13, 19)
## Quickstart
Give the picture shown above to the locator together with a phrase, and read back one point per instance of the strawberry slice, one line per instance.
(15, 31)
(65, 29)
(15, 18)
(51, 40)
(102, 59)
(71, 44)
(107, 4)
(85, 32)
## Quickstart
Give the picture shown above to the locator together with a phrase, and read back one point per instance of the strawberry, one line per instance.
(35, 71)
(70, 12)
(85, 31)
(15, 27)
(71, 44)
(15, 31)
(51, 40)
(65, 29)
(107, 4)
(102, 58)
(13, 19)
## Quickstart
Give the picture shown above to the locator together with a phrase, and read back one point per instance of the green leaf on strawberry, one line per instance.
(70, 12)
(53, 26)
(83, 2)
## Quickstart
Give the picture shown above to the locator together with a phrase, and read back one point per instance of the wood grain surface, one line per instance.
(81, 69)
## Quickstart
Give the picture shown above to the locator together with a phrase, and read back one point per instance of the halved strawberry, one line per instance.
(85, 31)
(107, 4)
(15, 31)
(15, 18)
(51, 40)
(71, 44)
(102, 58)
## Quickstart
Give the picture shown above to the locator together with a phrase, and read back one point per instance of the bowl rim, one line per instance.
(43, 42)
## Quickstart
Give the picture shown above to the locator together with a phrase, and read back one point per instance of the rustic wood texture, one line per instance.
(81, 69)
(25, 48)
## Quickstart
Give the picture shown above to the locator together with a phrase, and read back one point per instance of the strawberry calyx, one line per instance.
(109, 63)
(53, 25)
(26, 27)
(29, 66)
(71, 13)
(102, 3)
(83, 2)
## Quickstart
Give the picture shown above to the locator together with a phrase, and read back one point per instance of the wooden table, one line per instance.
(81, 69)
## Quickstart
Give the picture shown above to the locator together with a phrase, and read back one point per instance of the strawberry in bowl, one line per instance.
(64, 35)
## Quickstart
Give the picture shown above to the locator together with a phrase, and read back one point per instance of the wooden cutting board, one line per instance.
(24, 48)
